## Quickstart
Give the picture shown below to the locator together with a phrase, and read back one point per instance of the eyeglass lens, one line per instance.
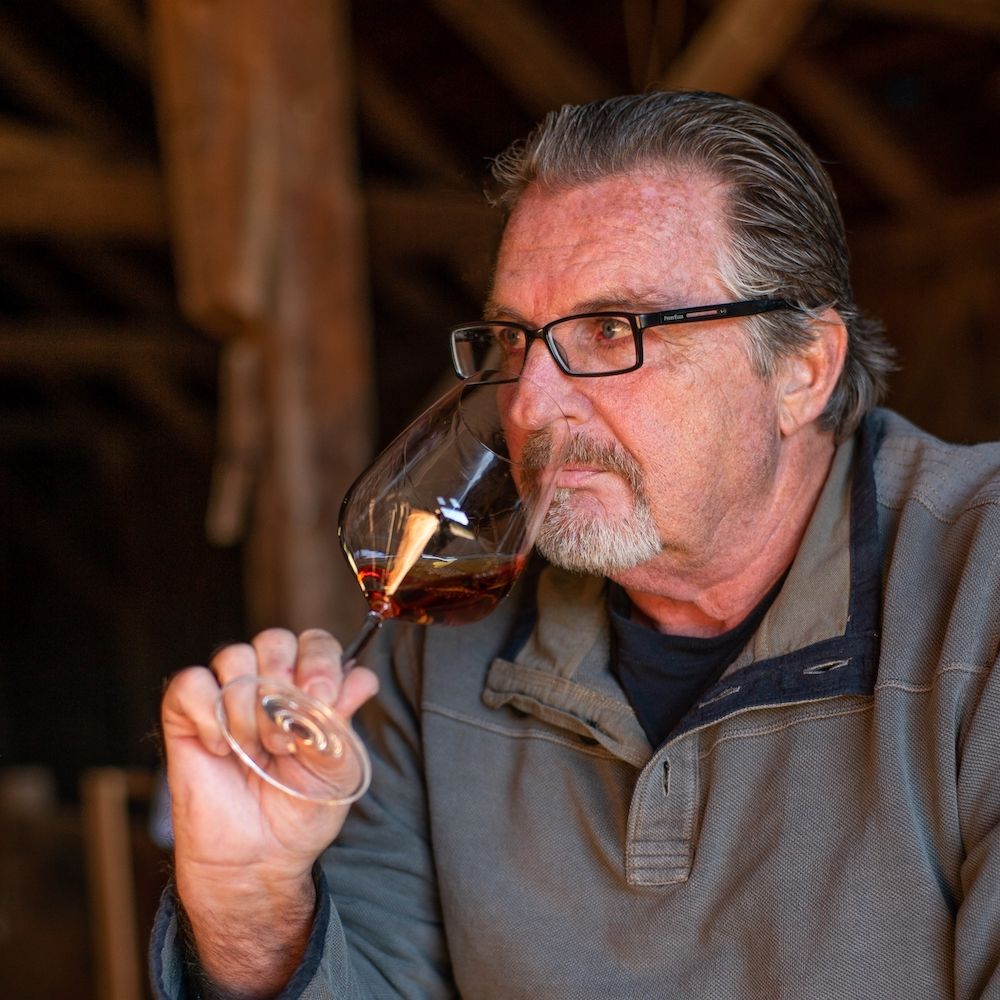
(582, 345)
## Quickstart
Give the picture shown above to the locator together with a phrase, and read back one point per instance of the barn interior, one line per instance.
(232, 235)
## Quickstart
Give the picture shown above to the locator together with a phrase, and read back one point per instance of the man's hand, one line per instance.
(244, 850)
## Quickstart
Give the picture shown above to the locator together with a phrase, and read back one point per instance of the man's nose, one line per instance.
(544, 394)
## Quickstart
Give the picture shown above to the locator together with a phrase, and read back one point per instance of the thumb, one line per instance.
(360, 684)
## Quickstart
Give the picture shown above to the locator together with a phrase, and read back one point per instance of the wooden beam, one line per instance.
(254, 103)
(44, 87)
(398, 124)
(159, 394)
(240, 438)
(59, 349)
(653, 31)
(57, 185)
(429, 222)
(740, 45)
(36, 284)
(221, 145)
(459, 229)
(965, 15)
(526, 53)
(150, 366)
(854, 130)
(108, 841)
(120, 201)
(969, 221)
(27, 147)
(114, 273)
(119, 27)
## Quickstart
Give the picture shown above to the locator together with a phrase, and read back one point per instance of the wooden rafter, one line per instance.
(113, 274)
(43, 86)
(963, 226)
(397, 122)
(119, 27)
(32, 282)
(430, 222)
(149, 364)
(967, 15)
(59, 349)
(163, 399)
(653, 30)
(525, 53)
(26, 147)
(56, 185)
(118, 201)
(853, 128)
(739, 45)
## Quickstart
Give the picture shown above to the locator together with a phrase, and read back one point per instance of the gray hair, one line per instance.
(788, 239)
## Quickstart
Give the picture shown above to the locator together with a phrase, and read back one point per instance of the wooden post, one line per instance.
(105, 796)
(256, 122)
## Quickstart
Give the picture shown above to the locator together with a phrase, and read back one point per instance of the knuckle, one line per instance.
(315, 635)
(275, 642)
(231, 654)
(273, 636)
(186, 679)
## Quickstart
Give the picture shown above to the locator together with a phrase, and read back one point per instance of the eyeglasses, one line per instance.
(584, 345)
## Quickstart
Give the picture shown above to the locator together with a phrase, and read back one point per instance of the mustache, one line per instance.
(581, 450)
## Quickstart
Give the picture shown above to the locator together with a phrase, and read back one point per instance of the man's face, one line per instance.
(676, 461)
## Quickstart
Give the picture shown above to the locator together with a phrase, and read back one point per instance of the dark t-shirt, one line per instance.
(663, 675)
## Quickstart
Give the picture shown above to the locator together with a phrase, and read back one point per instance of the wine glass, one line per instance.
(436, 530)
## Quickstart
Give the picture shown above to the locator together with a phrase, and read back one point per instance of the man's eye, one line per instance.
(613, 328)
(510, 340)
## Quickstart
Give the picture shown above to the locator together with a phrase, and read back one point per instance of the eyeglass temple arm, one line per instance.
(723, 310)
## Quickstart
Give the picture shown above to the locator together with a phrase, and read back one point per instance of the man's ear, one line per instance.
(807, 378)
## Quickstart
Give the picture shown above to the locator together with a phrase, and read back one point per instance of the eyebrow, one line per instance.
(614, 300)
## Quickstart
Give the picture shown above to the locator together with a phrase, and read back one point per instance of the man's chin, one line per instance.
(599, 549)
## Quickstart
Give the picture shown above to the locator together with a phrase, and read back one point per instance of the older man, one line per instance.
(738, 737)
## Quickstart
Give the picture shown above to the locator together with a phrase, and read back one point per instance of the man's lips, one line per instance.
(572, 477)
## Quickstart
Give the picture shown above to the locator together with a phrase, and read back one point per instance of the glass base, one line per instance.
(293, 741)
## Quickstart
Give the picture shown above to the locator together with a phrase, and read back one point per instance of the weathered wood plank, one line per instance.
(108, 842)
(253, 99)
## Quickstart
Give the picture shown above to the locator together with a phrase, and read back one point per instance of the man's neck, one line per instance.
(715, 597)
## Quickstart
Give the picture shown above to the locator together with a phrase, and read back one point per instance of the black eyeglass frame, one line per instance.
(638, 321)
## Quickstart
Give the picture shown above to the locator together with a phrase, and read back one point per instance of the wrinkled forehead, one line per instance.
(652, 227)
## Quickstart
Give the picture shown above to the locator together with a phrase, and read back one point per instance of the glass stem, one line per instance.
(365, 635)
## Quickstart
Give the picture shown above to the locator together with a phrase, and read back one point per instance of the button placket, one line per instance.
(660, 846)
